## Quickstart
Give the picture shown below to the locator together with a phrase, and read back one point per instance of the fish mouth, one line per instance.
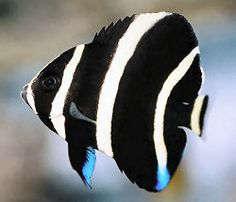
(28, 97)
(24, 94)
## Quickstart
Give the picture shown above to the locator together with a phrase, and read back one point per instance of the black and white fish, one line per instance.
(128, 93)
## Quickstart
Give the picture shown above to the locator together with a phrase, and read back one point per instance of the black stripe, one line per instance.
(94, 63)
(177, 114)
(159, 51)
(185, 91)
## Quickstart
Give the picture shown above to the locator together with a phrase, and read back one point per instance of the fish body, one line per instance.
(128, 93)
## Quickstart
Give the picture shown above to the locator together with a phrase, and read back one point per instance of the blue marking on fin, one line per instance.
(163, 178)
(89, 165)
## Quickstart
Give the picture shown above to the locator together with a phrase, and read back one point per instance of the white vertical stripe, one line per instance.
(195, 115)
(201, 90)
(203, 74)
(174, 77)
(56, 113)
(124, 52)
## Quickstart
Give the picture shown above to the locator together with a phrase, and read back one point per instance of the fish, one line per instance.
(130, 93)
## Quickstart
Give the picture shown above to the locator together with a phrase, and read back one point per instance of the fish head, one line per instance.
(49, 96)
(40, 92)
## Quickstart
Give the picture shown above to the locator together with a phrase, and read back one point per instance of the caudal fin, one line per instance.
(197, 114)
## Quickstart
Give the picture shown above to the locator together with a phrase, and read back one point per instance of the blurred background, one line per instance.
(34, 165)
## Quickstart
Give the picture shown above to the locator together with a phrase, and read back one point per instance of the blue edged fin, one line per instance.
(163, 178)
(88, 167)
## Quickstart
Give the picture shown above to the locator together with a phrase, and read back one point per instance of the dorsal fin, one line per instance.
(112, 30)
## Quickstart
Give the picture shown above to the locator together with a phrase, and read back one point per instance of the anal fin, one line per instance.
(83, 161)
(88, 167)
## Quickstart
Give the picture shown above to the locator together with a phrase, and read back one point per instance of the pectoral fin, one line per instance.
(75, 113)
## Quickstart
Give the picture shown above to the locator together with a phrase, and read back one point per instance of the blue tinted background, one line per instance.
(34, 162)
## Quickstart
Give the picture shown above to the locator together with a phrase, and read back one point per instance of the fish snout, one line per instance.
(24, 93)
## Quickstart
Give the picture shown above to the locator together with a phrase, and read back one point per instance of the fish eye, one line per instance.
(50, 83)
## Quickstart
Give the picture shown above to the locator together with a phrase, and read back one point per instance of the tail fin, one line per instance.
(197, 114)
